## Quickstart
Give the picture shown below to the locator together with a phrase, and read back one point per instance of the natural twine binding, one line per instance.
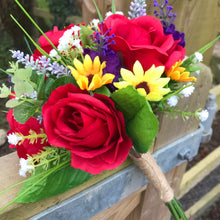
(154, 174)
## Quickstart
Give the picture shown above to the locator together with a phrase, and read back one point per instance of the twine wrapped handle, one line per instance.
(154, 174)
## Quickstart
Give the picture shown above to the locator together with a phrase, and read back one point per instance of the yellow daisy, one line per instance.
(89, 75)
(177, 73)
(149, 83)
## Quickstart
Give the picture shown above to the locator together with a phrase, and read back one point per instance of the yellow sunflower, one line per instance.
(89, 75)
(178, 73)
(149, 83)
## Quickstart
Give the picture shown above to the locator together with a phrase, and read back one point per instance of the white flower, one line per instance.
(172, 101)
(197, 72)
(187, 91)
(109, 13)
(24, 167)
(95, 22)
(203, 115)
(198, 57)
(76, 30)
(13, 139)
(53, 53)
(76, 43)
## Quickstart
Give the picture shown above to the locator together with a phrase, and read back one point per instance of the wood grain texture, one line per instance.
(9, 176)
(121, 209)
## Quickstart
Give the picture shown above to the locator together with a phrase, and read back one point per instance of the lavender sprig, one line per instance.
(138, 8)
(167, 17)
(42, 65)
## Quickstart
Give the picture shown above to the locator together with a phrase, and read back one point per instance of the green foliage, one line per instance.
(22, 82)
(62, 81)
(85, 37)
(4, 91)
(141, 123)
(103, 90)
(24, 111)
(54, 181)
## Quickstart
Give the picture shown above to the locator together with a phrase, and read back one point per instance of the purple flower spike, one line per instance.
(167, 18)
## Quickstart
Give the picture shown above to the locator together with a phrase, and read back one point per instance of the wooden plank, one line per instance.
(9, 176)
(121, 209)
(205, 202)
(199, 171)
(216, 90)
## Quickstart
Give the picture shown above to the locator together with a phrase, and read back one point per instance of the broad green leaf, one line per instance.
(62, 81)
(41, 87)
(141, 123)
(103, 90)
(24, 111)
(57, 182)
(12, 103)
(4, 91)
(48, 84)
(23, 88)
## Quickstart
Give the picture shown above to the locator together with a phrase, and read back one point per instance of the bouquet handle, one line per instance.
(155, 176)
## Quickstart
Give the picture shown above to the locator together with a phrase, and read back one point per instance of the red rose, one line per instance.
(143, 39)
(88, 126)
(25, 147)
(54, 37)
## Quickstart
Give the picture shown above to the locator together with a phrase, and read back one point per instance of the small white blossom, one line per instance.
(203, 115)
(172, 101)
(109, 13)
(24, 167)
(76, 43)
(188, 91)
(53, 53)
(198, 57)
(13, 139)
(197, 72)
(76, 30)
(95, 22)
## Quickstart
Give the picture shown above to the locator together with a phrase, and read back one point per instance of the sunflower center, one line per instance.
(144, 86)
(90, 78)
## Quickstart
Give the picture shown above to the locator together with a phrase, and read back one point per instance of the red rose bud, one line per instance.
(19, 136)
(143, 39)
(88, 126)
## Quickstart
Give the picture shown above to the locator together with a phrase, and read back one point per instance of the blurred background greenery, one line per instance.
(46, 13)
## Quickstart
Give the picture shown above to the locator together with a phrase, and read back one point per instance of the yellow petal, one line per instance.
(95, 83)
(138, 71)
(153, 96)
(121, 85)
(79, 66)
(128, 76)
(88, 63)
(162, 82)
(142, 91)
(96, 64)
(107, 78)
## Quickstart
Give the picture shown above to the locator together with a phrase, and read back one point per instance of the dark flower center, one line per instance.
(144, 86)
(90, 78)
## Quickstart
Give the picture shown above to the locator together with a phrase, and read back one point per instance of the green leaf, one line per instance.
(48, 84)
(57, 182)
(22, 82)
(24, 111)
(85, 36)
(141, 123)
(103, 90)
(192, 68)
(113, 7)
(41, 87)
(62, 81)
(4, 91)
(97, 9)
(12, 103)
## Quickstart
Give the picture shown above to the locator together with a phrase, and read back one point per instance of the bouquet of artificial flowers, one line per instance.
(87, 98)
